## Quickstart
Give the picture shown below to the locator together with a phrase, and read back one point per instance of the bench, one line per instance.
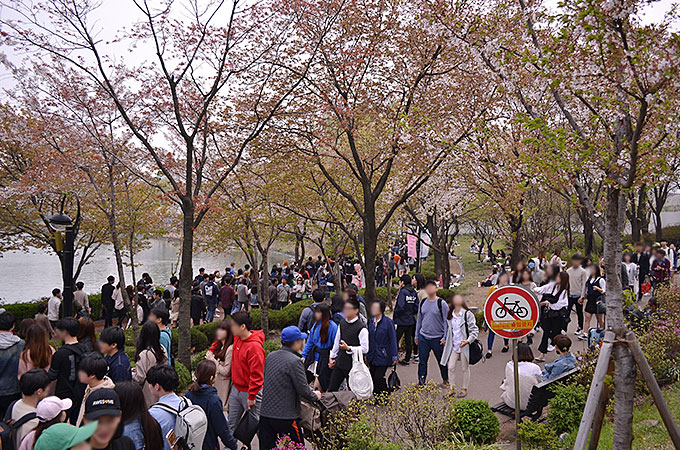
(540, 395)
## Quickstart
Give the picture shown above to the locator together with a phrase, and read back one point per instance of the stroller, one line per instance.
(315, 416)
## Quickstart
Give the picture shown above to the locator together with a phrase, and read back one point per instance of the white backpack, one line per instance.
(191, 424)
(360, 381)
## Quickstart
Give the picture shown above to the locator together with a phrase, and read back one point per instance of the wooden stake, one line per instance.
(596, 391)
(599, 415)
(654, 388)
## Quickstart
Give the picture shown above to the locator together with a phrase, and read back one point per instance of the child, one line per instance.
(92, 373)
(33, 385)
(161, 317)
(112, 345)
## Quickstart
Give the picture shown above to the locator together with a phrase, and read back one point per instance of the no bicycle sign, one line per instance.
(511, 312)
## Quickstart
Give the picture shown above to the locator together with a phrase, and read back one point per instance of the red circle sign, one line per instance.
(511, 312)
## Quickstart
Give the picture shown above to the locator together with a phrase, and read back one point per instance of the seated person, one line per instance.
(564, 363)
(491, 279)
(529, 376)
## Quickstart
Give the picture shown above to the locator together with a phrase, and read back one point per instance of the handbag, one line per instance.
(475, 347)
(247, 428)
(360, 381)
(393, 381)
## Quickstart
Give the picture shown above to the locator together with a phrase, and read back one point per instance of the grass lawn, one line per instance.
(648, 428)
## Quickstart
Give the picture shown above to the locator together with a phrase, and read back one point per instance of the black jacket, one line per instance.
(107, 294)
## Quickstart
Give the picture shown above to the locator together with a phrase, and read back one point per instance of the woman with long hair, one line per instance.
(202, 393)
(86, 335)
(555, 301)
(317, 350)
(517, 273)
(138, 424)
(150, 353)
(461, 332)
(24, 326)
(37, 354)
(220, 354)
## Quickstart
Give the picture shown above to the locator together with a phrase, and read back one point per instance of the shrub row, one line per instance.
(29, 310)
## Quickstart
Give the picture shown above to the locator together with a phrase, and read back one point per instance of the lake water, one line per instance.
(26, 276)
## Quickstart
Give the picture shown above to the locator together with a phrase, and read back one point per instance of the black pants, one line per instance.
(7, 400)
(378, 377)
(552, 326)
(337, 377)
(108, 315)
(271, 431)
(573, 301)
(407, 331)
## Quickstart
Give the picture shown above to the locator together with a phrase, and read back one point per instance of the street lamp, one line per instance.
(61, 222)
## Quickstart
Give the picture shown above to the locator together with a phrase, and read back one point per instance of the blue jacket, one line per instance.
(206, 397)
(314, 339)
(119, 367)
(134, 431)
(10, 349)
(407, 306)
(382, 343)
(562, 364)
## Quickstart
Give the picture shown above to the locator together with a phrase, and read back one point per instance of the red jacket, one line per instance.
(247, 363)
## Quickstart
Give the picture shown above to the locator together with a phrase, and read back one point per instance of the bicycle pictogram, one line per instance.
(512, 308)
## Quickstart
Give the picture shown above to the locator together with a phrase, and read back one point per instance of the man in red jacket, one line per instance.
(247, 369)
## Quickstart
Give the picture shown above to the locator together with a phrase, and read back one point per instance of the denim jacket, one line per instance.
(562, 364)
(10, 349)
(134, 431)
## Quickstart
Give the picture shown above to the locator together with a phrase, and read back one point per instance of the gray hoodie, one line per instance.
(10, 350)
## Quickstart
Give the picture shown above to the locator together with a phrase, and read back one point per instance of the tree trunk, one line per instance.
(370, 251)
(624, 365)
(588, 233)
(264, 297)
(659, 225)
(186, 275)
(515, 223)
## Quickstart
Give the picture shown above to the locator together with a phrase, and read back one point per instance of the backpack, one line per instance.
(439, 304)
(309, 323)
(360, 381)
(9, 427)
(191, 424)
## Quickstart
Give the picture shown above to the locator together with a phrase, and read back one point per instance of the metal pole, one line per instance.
(67, 308)
(515, 359)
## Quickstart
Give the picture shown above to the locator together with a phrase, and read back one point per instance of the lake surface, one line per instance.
(26, 276)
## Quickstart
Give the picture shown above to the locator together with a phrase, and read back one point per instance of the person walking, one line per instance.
(405, 311)
(102, 408)
(555, 302)
(317, 351)
(462, 331)
(210, 293)
(80, 298)
(64, 366)
(431, 330)
(284, 384)
(202, 393)
(37, 354)
(221, 352)
(383, 352)
(247, 369)
(228, 296)
(138, 424)
(92, 373)
(112, 345)
(577, 289)
(163, 381)
(596, 287)
(107, 300)
(352, 334)
(150, 353)
(53, 305)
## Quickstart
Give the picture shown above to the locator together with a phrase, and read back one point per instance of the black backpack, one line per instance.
(9, 427)
(439, 304)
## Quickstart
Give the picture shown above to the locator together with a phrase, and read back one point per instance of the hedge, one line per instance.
(280, 319)
(29, 310)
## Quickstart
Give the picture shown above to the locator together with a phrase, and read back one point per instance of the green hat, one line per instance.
(62, 436)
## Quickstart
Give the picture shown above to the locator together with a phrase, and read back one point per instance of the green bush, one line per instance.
(479, 318)
(129, 338)
(427, 269)
(475, 421)
(131, 351)
(184, 377)
(271, 346)
(197, 358)
(29, 310)
(537, 436)
(446, 294)
(362, 436)
(199, 341)
(209, 329)
(566, 407)
(280, 319)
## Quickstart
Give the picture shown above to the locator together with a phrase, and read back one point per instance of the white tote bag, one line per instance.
(360, 381)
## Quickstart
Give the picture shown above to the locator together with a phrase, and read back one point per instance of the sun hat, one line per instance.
(62, 436)
(50, 407)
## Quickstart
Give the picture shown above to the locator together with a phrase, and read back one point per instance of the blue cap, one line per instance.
(292, 334)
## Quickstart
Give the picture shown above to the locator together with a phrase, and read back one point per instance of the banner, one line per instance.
(411, 243)
(424, 245)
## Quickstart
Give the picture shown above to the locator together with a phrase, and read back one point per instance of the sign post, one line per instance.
(512, 312)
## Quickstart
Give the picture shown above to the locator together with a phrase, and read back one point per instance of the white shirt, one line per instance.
(454, 325)
(363, 340)
(527, 368)
(552, 288)
(53, 308)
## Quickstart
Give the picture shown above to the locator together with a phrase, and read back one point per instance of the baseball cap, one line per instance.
(102, 402)
(62, 436)
(292, 334)
(50, 407)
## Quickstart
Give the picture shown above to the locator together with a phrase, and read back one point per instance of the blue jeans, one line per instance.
(424, 347)
(491, 338)
(212, 306)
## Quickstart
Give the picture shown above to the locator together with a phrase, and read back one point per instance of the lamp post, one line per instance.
(61, 222)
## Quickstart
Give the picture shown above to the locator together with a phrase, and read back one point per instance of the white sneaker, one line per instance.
(578, 331)
(551, 348)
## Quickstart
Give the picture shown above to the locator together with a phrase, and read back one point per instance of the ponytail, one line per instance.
(205, 373)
